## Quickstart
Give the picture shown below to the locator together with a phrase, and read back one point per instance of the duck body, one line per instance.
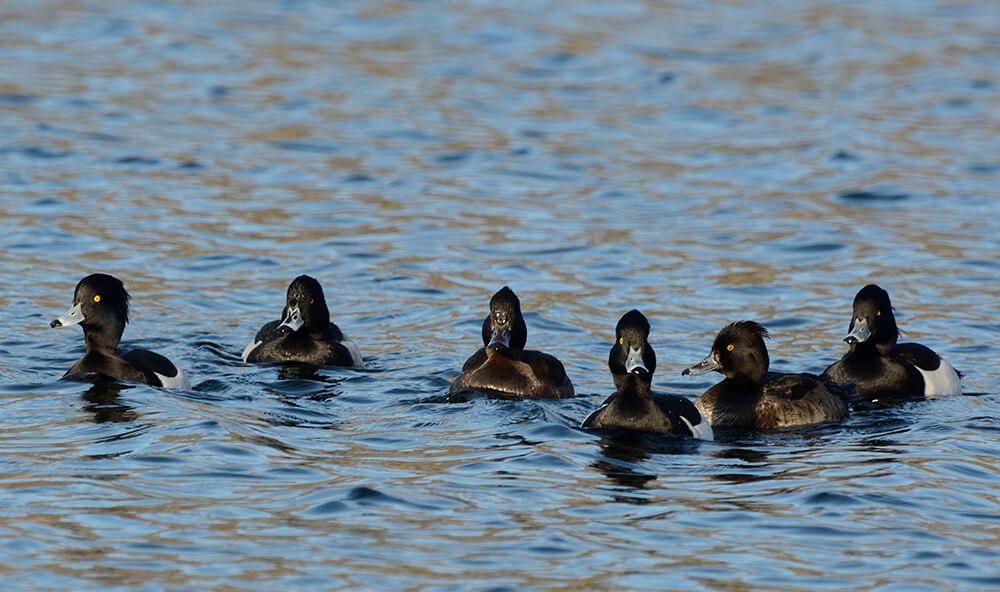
(100, 307)
(881, 368)
(656, 412)
(751, 397)
(136, 365)
(532, 374)
(304, 334)
(503, 367)
(635, 406)
(275, 342)
(781, 401)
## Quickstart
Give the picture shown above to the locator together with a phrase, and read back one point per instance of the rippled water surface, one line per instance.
(704, 162)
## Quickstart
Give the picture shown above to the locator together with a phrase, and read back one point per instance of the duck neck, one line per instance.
(881, 345)
(633, 386)
(744, 382)
(318, 321)
(885, 343)
(514, 354)
(103, 340)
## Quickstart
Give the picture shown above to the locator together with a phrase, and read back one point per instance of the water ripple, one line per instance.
(705, 165)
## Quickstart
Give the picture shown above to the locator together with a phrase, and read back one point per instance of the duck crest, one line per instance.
(108, 288)
(504, 329)
(305, 295)
(748, 329)
(741, 350)
(872, 313)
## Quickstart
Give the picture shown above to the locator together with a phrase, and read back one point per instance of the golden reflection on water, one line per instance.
(691, 161)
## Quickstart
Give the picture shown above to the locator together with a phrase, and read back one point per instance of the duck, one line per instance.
(751, 397)
(881, 368)
(304, 333)
(100, 307)
(502, 367)
(634, 406)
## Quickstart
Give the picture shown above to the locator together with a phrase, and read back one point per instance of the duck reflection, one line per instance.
(304, 381)
(296, 392)
(103, 402)
(620, 464)
(753, 465)
(624, 451)
(294, 371)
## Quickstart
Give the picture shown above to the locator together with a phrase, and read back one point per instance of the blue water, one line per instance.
(702, 162)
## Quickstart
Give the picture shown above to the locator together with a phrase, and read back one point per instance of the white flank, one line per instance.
(702, 431)
(178, 382)
(943, 381)
(249, 349)
(352, 347)
(594, 414)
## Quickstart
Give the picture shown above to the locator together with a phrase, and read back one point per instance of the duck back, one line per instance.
(783, 400)
(535, 375)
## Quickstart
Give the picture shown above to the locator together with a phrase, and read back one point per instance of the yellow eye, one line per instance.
(729, 347)
(878, 313)
(97, 297)
(311, 300)
(621, 341)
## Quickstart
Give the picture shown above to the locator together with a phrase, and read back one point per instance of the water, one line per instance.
(704, 163)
